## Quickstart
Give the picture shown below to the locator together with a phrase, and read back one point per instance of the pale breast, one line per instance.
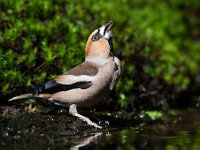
(100, 86)
(104, 76)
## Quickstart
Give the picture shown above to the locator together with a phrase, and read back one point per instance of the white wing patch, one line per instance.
(71, 79)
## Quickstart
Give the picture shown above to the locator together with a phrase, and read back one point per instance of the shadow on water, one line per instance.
(53, 131)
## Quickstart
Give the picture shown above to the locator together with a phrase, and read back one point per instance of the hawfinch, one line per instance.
(88, 83)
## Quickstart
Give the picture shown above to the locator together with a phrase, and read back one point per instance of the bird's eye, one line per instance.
(96, 37)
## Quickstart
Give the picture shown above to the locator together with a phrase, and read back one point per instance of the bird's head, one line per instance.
(99, 43)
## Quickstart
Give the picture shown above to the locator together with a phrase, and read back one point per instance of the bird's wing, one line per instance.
(79, 77)
(116, 73)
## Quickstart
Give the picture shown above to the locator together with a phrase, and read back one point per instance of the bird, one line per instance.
(88, 83)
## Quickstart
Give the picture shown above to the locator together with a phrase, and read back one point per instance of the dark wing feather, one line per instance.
(86, 68)
(53, 87)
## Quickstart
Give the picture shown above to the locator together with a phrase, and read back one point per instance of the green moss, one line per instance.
(154, 114)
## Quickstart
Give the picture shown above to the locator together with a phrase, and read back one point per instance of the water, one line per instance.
(61, 131)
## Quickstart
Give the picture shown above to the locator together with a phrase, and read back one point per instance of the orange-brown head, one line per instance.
(99, 43)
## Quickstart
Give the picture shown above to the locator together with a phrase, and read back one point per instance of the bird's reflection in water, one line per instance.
(86, 141)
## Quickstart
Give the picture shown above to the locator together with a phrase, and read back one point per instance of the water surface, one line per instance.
(42, 130)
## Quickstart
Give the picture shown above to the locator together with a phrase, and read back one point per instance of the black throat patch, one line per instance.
(111, 47)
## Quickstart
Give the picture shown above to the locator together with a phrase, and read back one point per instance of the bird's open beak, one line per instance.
(108, 27)
(108, 36)
(106, 30)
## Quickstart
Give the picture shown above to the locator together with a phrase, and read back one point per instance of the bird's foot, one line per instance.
(93, 124)
(73, 111)
(104, 123)
(89, 122)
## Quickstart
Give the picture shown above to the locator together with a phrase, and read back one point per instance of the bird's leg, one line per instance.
(73, 112)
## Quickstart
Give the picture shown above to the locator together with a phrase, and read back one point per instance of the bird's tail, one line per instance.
(29, 95)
